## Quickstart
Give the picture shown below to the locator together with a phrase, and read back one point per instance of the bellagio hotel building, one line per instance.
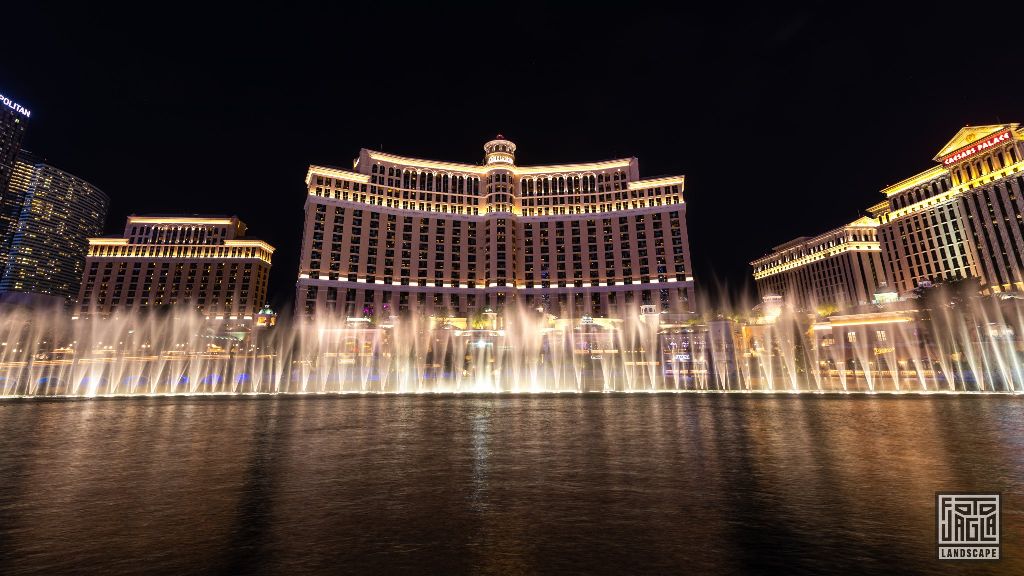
(963, 217)
(398, 235)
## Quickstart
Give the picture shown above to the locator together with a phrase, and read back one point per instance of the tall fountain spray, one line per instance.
(931, 344)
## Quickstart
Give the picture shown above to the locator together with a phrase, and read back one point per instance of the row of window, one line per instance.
(370, 302)
(352, 245)
(215, 285)
(186, 234)
(924, 245)
(792, 254)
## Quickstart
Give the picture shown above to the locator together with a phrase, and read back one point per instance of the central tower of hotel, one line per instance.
(399, 235)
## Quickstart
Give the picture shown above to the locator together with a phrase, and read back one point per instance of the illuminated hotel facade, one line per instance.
(400, 235)
(961, 218)
(841, 267)
(205, 263)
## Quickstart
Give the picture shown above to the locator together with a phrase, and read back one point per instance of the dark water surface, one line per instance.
(618, 484)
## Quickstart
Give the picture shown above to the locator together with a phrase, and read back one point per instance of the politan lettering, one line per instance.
(968, 152)
(15, 106)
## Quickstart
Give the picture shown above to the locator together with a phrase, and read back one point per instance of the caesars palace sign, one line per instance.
(973, 149)
(15, 106)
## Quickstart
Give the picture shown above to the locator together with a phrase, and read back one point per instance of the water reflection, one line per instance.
(510, 485)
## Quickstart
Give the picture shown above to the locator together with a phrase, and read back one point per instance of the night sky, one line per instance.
(785, 121)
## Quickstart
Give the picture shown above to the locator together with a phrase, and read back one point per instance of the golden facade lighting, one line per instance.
(401, 233)
(961, 218)
(204, 263)
(840, 267)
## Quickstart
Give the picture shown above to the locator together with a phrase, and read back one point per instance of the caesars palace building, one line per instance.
(398, 235)
(961, 218)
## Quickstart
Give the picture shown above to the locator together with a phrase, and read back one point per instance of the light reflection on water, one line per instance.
(505, 485)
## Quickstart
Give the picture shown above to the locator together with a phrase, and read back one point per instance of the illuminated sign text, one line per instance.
(984, 144)
(15, 106)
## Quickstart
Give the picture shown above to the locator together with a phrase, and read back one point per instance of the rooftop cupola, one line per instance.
(500, 151)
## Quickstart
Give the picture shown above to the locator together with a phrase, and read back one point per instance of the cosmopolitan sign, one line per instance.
(15, 106)
(975, 148)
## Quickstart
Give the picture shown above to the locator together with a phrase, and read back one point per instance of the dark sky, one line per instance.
(786, 120)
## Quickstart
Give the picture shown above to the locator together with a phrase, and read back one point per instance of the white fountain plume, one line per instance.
(946, 339)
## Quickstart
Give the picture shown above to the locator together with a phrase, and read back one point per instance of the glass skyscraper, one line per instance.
(47, 248)
(13, 121)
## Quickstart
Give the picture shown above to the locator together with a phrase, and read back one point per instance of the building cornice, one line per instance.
(620, 163)
(816, 256)
(583, 167)
(182, 220)
(654, 182)
(335, 173)
(251, 242)
(800, 244)
(977, 183)
(915, 180)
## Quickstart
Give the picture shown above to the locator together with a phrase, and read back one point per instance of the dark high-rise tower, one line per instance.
(13, 200)
(47, 251)
(13, 120)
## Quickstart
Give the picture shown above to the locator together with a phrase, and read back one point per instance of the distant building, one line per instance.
(13, 121)
(842, 267)
(46, 251)
(959, 219)
(398, 234)
(205, 263)
(266, 317)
